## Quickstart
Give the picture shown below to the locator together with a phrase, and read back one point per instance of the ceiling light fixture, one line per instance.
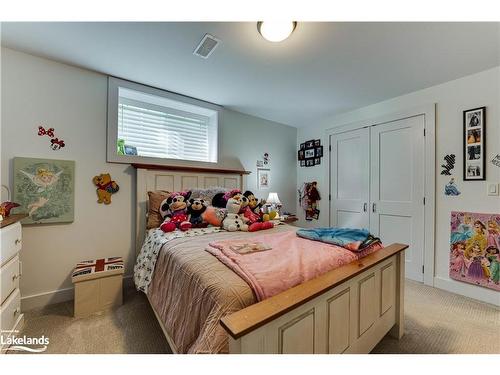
(276, 31)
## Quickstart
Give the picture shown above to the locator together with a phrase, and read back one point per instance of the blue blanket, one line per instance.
(336, 236)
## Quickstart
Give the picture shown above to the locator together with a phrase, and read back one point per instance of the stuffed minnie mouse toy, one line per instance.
(174, 212)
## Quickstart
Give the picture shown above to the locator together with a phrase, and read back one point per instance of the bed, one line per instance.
(204, 307)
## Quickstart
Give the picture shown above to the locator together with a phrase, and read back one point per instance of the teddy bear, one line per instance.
(105, 187)
(195, 210)
(174, 212)
(233, 221)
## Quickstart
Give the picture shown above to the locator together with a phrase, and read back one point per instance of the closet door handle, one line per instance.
(365, 207)
(374, 207)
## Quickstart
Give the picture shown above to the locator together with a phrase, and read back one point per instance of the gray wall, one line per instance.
(72, 100)
(451, 98)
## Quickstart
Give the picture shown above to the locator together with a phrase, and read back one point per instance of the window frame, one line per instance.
(187, 102)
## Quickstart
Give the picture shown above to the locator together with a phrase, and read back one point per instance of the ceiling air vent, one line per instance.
(206, 46)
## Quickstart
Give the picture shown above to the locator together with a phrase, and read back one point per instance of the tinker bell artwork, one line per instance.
(474, 249)
(45, 189)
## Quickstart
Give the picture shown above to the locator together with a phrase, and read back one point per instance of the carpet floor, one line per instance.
(436, 322)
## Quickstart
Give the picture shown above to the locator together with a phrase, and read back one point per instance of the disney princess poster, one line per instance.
(474, 249)
(45, 189)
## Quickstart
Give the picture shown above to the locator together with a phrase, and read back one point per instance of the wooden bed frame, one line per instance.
(347, 310)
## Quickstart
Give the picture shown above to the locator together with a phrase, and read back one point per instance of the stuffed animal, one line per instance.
(174, 212)
(256, 209)
(219, 200)
(195, 210)
(105, 187)
(233, 221)
(214, 216)
(252, 213)
(253, 202)
(5, 208)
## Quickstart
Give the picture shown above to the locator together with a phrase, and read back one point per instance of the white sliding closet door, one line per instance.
(397, 188)
(349, 179)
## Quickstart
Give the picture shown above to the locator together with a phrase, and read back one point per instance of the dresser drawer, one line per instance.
(10, 311)
(9, 278)
(10, 237)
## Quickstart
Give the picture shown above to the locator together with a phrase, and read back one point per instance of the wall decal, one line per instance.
(474, 249)
(260, 163)
(266, 159)
(56, 144)
(105, 187)
(450, 188)
(496, 160)
(450, 164)
(475, 144)
(49, 132)
(45, 189)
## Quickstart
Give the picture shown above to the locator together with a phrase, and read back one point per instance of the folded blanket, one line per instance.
(290, 261)
(348, 238)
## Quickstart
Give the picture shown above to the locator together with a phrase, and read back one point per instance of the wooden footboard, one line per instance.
(347, 310)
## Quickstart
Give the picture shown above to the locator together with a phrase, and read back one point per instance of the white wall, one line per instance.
(481, 89)
(72, 100)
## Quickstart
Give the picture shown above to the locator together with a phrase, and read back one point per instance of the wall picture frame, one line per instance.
(45, 189)
(263, 178)
(474, 127)
(318, 152)
(309, 153)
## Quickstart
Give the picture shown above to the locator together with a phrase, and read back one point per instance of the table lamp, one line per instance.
(274, 201)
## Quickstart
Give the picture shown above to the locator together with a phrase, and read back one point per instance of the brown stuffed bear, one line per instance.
(105, 187)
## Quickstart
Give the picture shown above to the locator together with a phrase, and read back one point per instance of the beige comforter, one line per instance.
(191, 291)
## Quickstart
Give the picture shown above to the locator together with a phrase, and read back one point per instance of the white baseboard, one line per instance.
(476, 292)
(60, 295)
(46, 298)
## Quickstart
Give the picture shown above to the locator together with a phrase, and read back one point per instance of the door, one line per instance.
(397, 188)
(350, 179)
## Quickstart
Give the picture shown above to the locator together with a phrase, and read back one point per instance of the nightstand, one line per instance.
(289, 219)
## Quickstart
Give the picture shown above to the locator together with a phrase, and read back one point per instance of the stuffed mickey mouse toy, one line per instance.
(196, 207)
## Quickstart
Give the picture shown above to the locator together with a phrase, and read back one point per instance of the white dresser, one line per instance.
(11, 318)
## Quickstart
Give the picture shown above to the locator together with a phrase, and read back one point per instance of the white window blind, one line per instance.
(163, 132)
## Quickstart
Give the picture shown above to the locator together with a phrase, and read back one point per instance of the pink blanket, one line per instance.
(291, 261)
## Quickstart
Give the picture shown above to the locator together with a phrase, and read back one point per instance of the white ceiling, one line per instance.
(321, 70)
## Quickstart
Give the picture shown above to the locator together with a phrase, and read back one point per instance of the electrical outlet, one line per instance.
(493, 189)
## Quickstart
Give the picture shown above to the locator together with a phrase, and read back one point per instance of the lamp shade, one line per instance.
(273, 198)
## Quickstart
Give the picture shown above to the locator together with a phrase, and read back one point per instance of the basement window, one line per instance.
(148, 125)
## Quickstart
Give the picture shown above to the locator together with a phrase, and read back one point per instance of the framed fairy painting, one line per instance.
(474, 248)
(45, 189)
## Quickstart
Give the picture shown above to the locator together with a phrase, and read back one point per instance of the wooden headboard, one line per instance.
(151, 177)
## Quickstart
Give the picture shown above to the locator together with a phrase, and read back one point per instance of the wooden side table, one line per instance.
(290, 219)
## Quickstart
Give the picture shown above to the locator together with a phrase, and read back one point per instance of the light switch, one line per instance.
(492, 189)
